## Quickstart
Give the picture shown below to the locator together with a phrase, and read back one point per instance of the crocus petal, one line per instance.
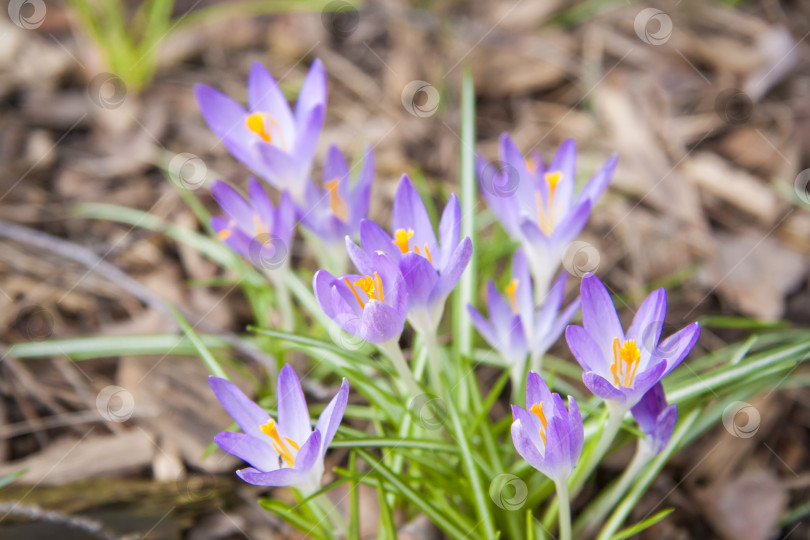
(664, 427)
(247, 415)
(455, 267)
(598, 184)
(524, 295)
(322, 286)
(309, 452)
(226, 118)
(525, 437)
(420, 278)
(675, 348)
(380, 322)
(646, 411)
(307, 139)
(553, 332)
(484, 327)
(374, 238)
(504, 207)
(278, 167)
(361, 259)
(261, 201)
(313, 92)
(293, 415)
(564, 161)
(572, 224)
(537, 391)
(233, 204)
(410, 213)
(576, 435)
(644, 381)
(648, 322)
(601, 388)
(584, 348)
(557, 461)
(449, 230)
(330, 418)
(497, 306)
(277, 478)
(518, 184)
(599, 315)
(248, 448)
(264, 95)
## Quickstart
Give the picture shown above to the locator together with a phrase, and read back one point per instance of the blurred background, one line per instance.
(706, 102)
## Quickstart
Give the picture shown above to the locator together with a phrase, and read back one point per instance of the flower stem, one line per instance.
(563, 501)
(394, 353)
(434, 361)
(597, 511)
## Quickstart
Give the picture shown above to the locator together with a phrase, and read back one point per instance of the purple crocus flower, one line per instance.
(286, 452)
(623, 367)
(274, 141)
(371, 306)
(334, 210)
(536, 204)
(253, 227)
(655, 418)
(430, 268)
(515, 327)
(546, 434)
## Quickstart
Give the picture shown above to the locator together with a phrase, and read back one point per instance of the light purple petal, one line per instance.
(599, 315)
(264, 95)
(277, 478)
(664, 427)
(330, 418)
(226, 118)
(675, 348)
(362, 260)
(485, 328)
(307, 139)
(247, 415)
(523, 437)
(644, 381)
(410, 213)
(599, 183)
(649, 321)
(537, 392)
(449, 230)
(420, 278)
(322, 286)
(601, 388)
(233, 204)
(313, 92)
(451, 273)
(293, 415)
(310, 452)
(278, 167)
(572, 224)
(564, 160)
(584, 348)
(374, 238)
(380, 322)
(576, 435)
(646, 411)
(248, 448)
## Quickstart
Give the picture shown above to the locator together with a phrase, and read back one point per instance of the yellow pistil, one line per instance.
(224, 234)
(511, 291)
(372, 286)
(280, 445)
(545, 212)
(336, 202)
(625, 362)
(261, 124)
(537, 409)
(401, 239)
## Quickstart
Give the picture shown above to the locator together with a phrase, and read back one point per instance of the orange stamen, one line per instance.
(537, 409)
(259, 123)
(336, 202)
(280, 445)
(626, 358)
(511, 291)
(401, 238)
(357, 296)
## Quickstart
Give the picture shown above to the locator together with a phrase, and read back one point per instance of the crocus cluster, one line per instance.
(278, 144)
(405, 275)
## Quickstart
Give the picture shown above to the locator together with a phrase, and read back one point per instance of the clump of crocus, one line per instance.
(430, 268)
(253, 227)
(334, 209)
(621, 367)
(274, 141)
(655, 418)
(516, 328)
(549, 437)
(282, 452)
(372, 306)
(536, 203)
